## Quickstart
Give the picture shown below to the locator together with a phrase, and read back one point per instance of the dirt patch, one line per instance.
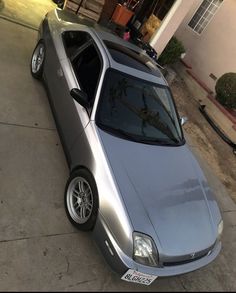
(211, 147)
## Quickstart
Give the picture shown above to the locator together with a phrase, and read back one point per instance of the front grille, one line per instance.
(178, 263)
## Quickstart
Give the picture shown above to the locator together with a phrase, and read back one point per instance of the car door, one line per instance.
(63, 74)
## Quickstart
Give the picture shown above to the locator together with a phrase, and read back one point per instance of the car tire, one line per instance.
(37, 60)
(81, 200)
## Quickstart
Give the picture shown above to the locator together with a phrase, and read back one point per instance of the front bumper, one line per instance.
(120, 262)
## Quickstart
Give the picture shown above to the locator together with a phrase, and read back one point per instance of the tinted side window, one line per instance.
(87, 67)
(73, 40)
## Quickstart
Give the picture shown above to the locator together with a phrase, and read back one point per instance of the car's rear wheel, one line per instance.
(37, 60)
(81, 200)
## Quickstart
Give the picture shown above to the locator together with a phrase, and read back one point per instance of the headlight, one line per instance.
(220, 229)
(145, 251)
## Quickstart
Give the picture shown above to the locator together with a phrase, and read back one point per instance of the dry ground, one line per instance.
(212, 148)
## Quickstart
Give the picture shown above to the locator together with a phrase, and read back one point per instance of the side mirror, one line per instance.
(60, 3)
(80, 97)
(183, 120)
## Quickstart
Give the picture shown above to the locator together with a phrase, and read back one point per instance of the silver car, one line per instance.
(133, 180)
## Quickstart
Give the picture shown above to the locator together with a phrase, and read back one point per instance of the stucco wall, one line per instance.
(170, 24)
(214, 50)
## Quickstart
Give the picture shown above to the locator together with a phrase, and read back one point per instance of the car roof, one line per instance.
(123, 55)
(126, 53)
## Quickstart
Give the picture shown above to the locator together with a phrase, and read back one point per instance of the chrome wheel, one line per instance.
(79, 200)
(37, 58)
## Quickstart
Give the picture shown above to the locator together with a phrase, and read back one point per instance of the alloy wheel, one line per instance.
(38, 58)
(79, 200)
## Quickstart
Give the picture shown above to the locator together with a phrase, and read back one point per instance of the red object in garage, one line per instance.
(122, 15)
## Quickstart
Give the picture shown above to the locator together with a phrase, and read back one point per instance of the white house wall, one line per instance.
(170, 24)
(212, 52)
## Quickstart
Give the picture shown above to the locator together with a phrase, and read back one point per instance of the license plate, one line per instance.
(137, 277)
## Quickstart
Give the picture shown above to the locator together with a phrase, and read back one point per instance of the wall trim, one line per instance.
(165, 22)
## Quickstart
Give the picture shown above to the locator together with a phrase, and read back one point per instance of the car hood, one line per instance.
(165, 194)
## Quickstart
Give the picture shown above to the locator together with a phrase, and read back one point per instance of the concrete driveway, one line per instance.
(39, 249)
(28, 12)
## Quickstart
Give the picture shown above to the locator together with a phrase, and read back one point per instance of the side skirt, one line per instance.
(65, 148)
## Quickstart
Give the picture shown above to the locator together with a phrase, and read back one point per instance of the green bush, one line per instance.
(226, 90)
(172, 52)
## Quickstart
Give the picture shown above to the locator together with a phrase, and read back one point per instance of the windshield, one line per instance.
(138, 110)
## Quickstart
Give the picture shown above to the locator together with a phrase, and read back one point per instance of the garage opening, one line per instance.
(150, 16)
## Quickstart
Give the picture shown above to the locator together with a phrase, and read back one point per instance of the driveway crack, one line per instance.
(68, 264)
(38, 236)
(27, 126)
(182, 284)
(82, 282)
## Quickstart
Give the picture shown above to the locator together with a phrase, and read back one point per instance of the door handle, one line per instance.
(60, 72)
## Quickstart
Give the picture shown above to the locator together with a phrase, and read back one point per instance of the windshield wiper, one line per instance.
(120, 132)
(173, 142)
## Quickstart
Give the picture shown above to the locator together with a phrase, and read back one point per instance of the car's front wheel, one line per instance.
(37, 60)
(81, 200)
